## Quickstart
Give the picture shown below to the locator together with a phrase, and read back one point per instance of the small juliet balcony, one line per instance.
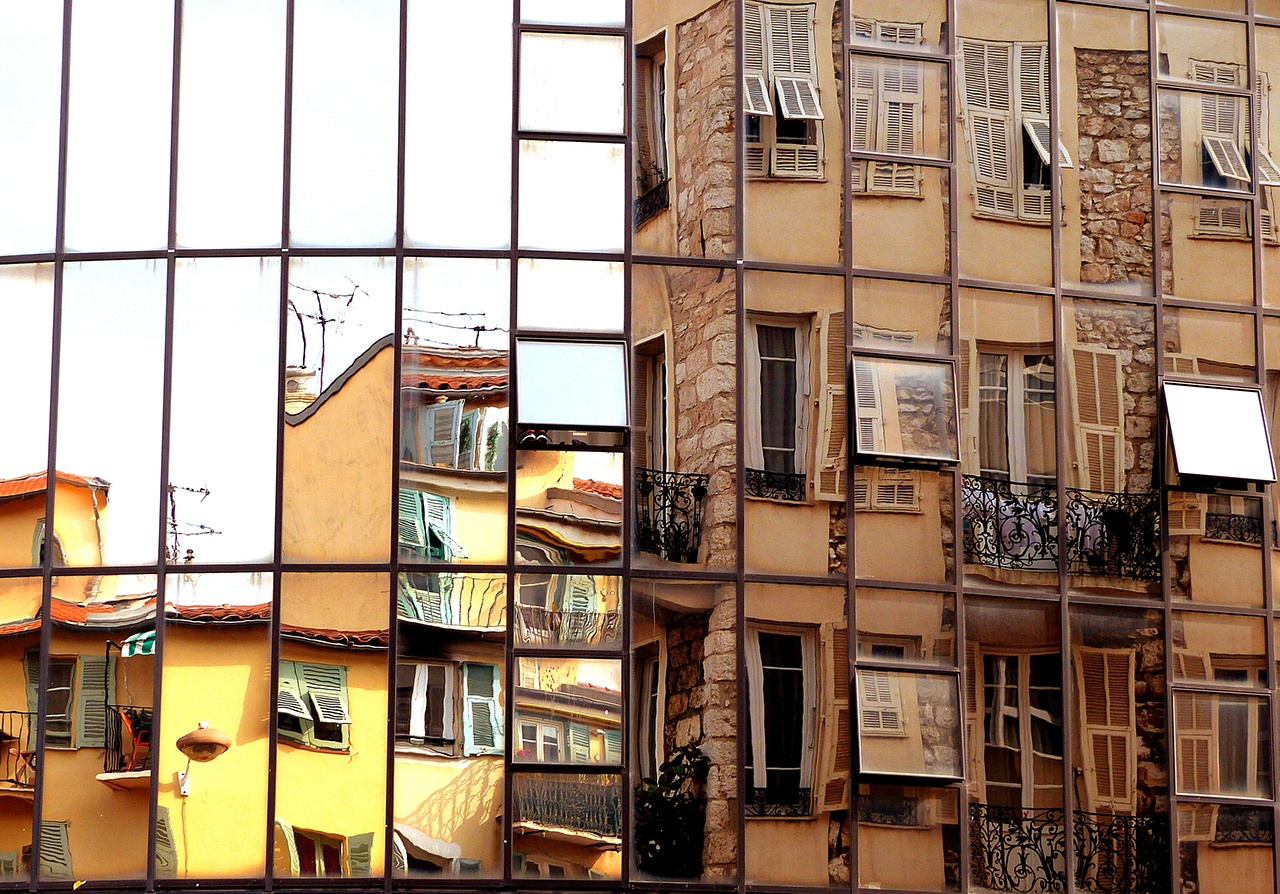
(126, 760)
(653, 201)
(17, 752)
(669, 514)
(580, 809)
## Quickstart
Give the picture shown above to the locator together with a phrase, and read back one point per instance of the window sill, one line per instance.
(321, 749)
(1000, 218)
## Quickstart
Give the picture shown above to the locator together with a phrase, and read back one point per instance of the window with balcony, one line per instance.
(1004, 94)
(777, 402)
(780, 91)
(76, 699)
(652, 177)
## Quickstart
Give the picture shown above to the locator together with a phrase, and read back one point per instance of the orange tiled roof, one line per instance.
(437, 382)
(257, 612)
(601, 488)
(25, 485)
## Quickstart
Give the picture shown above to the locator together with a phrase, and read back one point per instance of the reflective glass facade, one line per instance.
(650, 445)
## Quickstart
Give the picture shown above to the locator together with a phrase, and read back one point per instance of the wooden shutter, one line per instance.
(879, 704)
(896, 490)
(55, 850)
(326, 687)
(613, 746)
(412, 530)
(862, 114)
(987, 94)
(968, 403)
(286, 850)
(578, 608)
(97, 679)
(1032, 62)
(360, 855)
(31, 669)
(756, 92)
(1189, 665)
(289, 698)
(1195, 725)
(1096, 375)
(973, 720)
(862, 487)
(794, 160)
(579, 738)
(440, 428)
(1108, 731)
(833, 422)
(1186, 514)
(166, 848)
(482, 716)
(791, 50)
(870, 416)
(1226, 156)
(438, 516)
(1214, 217)
(1182, 364)
(1197, 822)
(645, 156)
(640, 411)
(899, 128)
(834, 765)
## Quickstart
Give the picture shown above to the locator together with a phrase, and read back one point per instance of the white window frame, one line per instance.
(545, 732)
(780, 82)
(1015, 408)
(1023, 713)
(419, 700)
(758, 709)
(803, 328)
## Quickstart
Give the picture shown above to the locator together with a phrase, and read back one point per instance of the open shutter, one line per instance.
(579, 743)
(968, 402)
(613, 746)
(879, 704)
(1104, 679)
(1186, 514)
(55, 850)
(289, 695)
(31, 669)
(755, 93)
(862, 102)
(833, 424)
(412, 530)
(166, 848)
(438, 518)
(1096, 375)
(973, 721)
(987, 93)
(481, 716)
(326, 686)
(1226, 156)
(645, 157)
(1194, 720)
(834, 769)
(440, 433)
(97, 676)
(870, 417)
(360, 855)
(286, 849)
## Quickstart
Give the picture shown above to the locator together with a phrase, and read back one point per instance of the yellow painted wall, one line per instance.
(457, 800)
(900, 858)
(1226, 573)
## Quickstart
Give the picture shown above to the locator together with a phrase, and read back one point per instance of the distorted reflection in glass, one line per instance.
(231, 130)
(454, 422)
(332, 725)
(97, 764)
(1267, 66)
(31, 70)
(1229, 650)
(598, 177)
(216, 671)
(571, 82)
(117, 186)
(339, 401)
(345, 123)
(906, 626)
(568, 507)
(441, 208)
(1205, 136)
(683, 716)
(568, 610)
(109, 408)
(796, 645)
(909, 723)
(922, 822)
(1224, 741)
(901, 316)
(1226, 848)
(566, 826)
(685, 499)
(1208, 233)
(905, 408)
(1209, 345)
(19, 607)
(221, 492)
(567, 711)
(1215, 548)
(895, 506)
(875, 214)
(450, 704)
(1186, 42)
(26, 301)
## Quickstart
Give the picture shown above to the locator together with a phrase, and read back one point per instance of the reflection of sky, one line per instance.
(447, 299)
(218, 589)
(355, 302)
(26, 306)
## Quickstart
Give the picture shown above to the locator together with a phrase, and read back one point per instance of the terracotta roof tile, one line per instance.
(601, 488)
(25, 485)
(438, 382)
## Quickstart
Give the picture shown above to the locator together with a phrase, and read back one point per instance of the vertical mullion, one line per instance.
(740, 428)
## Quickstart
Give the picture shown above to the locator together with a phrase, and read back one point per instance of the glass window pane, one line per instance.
(908, 723)
(568, 610)
(576, 809)
(569, 295)
(571, 82)
(231, 129)
(572, 383)
(606, 13)
(594, 220)
(906, 626)
(569, 512)
(905, 408)
(549, 729)
(1218, 432)
(118, 145)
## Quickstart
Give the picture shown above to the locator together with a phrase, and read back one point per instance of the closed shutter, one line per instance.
(441, 428)
(900, 125)
(791, 51)
(797, 161)
(896, 490)
(862, 114)
(1189, 665)
(640, 413)
(862, 488)
(967, 399)
(834, 767)
(578, 609)
(613, 746)
(31, 669)
(97, 679)
(1032, 62)
(579, 736)
(1100, 418)
(1194, 720)
(987, 92)
(482, 716)
(1186, 514)
(286, 850)
(1104, 679)
(326, 687)
(833, 423)
(1197, 822)
(55, 850)
(412, 530)
(166, 848)
(870, 416)
(879, 704)
(1216, 217)
(755, 93)
(973, 721)
(360, 855)
(1182, 364)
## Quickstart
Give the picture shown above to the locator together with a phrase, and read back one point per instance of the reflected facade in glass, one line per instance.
(629, 445)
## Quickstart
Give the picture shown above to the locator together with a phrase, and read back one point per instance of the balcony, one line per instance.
(669, 514)
(17, 751)
(538, 626)
(126, 760)
(1024, 851)
(788, 486)
(653, 201)
(581, 809)
(1233, 528)
(1015, 526)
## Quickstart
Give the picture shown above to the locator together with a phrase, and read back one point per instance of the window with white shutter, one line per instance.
(879, 704)
(780, 91)
(311, 705)
(887, 110)
(836, 744)
(482, 712)
(833, 422)
(1099, 411)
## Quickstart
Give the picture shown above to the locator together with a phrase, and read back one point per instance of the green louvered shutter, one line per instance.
(613, 746)
(481, 717)
(325, 687)
(360, 855)
(31, 667)
(412, 530)
(166, 849)
(96, 677)
(55, 850)
(579, 743)
(289, 701)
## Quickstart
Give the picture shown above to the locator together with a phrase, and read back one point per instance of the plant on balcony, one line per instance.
(671, 815)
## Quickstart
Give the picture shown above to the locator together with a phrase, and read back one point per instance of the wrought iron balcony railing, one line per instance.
(1024, 851)
(776, 485)
(669, 513)
(538, 626)
(17, 756)
(585, 804)
(1010, 525)
(1234, 528)
(653, 201)
(1117, 535)
(128, 739)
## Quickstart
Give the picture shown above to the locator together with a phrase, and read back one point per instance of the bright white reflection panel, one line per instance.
(571, 83)
(573, 12)
(1218, 432)
(345, 122)
(118, 134)
(231, 130)
(26, 343)
(584, 295)
(571, 196)
(30, 86)
(572, 383)
(457, 177)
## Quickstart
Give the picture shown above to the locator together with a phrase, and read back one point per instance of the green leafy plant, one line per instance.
(671, 815)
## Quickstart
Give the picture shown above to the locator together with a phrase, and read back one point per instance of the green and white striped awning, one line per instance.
(141, 643)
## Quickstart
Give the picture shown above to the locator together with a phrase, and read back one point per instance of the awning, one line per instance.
(141, 643)
(423, 846)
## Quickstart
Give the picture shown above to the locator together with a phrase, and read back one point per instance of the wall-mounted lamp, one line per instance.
(200, 745)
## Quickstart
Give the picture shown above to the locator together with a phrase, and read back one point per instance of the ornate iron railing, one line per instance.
(538, 626)
(128, 739)
(589, 804)
(776, 485)
(1243, 825)
(1235, 528)
(1117, 535)
(889, 811)
(653, 201)
(1024, 851)
(1010, 525)
(669, 513)
(767, 802)
(17, 756)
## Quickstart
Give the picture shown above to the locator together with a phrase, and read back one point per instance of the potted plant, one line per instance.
(670, 817)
